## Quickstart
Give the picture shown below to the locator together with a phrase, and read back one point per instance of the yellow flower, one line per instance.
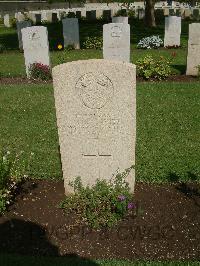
(60, 46)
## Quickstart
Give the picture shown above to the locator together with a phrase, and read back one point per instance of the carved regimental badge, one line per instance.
(95, 90)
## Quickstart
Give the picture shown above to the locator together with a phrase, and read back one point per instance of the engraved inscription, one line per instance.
(93, 126)
(34, 36)
(95, 90)
(116, 31)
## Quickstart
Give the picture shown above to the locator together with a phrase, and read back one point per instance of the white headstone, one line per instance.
(120, 20)
(188, 13)
(193, 57)
(36, 46)
(116, 41)
(7, 21)
(71, 32)
(96, 117)
(141, 14)
(21, 25)
(172, 31)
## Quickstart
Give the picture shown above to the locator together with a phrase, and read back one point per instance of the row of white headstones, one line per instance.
(116, 40)
(94, 13)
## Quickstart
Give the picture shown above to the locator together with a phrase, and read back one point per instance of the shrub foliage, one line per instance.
(103, 204)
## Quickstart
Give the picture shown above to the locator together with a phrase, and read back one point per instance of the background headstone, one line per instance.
(21, 25)
(78, 14)
(193, 57)
(54, 17)
(116, 41)
(38, 18)
(120, 20)
(196, 14)
(107, 15)
(20, 17)
(71, 32)
(7, 21)
(166, 11)
(172, 31)
(141, 13)
(91, 14)
(188, 13)
(96, 117)
(36, 46)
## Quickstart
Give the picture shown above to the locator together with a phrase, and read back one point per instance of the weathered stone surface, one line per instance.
(116, 41)
(20, 17)
(120, 20)
(193, 57)
(71, 32)
(172, 31)
(96, 117)
(21, 25)
(36, 46)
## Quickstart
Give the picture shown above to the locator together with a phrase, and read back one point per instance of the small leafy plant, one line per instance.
(101, 205)
(121, 13)
(2, 48)
(152, 42)
(9, 179)
(153, 68)
(13, 22)
(38, 71)
(93, 43)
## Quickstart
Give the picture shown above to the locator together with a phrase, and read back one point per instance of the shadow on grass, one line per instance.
(9, 41)
(188, 189)
(181, 69)
(29, 239)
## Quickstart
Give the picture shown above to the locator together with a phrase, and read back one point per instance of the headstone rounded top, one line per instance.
(112, 63)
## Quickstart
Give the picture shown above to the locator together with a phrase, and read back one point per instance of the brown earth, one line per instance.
(23, 80)
(164, 226)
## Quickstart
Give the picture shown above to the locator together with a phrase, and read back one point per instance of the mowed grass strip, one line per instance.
(28, 126)
(168, 130)
(11, 259)
(12, 62)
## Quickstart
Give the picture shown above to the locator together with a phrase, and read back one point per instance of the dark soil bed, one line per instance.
(165, 226)
(23, 80)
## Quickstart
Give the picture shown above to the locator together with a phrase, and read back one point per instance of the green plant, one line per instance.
(153, 68)
(93, 43)
(9, 179)
(13, 22)
(121, 13)
(2, 48)
(40, 72)
(71, 15)
(103, 204)
(131, 13)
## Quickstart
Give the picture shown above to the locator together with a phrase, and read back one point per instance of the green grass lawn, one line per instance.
(10, 260)
(12, 62)
(168, 130)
